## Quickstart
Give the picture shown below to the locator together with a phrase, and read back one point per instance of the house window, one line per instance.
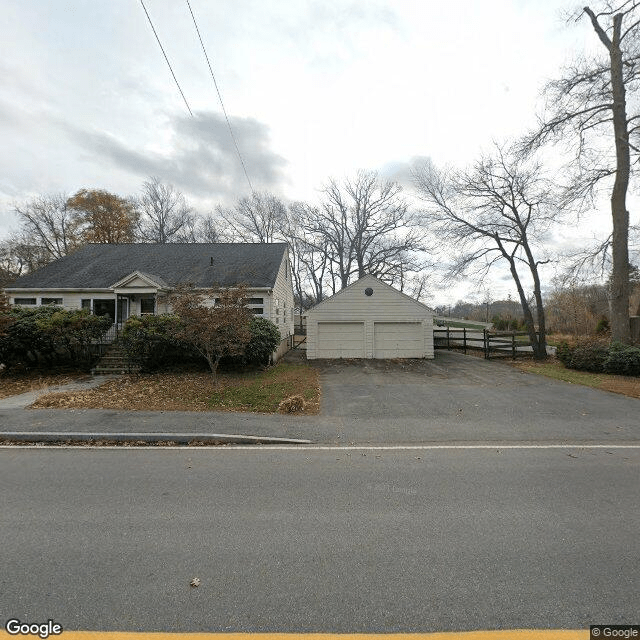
(105, 307)
(255, 301)
(257, 310)
(24, 301)
(45, 301)
(147, 306)
(85, 304)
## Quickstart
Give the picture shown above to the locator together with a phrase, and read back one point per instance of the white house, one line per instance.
(121, 280)
(370, 319)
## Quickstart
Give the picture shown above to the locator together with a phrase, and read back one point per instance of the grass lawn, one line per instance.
(628, 386)
(257, 391)
(461, 325)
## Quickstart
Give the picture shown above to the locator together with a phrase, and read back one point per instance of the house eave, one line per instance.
(75, 289)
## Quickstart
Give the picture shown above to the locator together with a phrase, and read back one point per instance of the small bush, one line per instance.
(564, 352)
(602, 326)
(585, 356)
(265, 338)
(623, 360)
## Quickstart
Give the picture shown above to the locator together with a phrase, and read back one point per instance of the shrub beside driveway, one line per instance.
(257, 391)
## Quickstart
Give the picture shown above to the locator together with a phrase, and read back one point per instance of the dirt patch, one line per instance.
(259, 391)
(15, 384)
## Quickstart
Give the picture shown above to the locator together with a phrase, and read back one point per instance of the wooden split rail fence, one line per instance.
(494, 344)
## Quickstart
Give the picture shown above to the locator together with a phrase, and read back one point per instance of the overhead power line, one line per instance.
(224, 111)
(166, 58)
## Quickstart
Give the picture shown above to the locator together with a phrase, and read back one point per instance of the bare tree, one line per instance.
(264, 217)
(164, 215)
(19, 255)
(493, 212)
(574, 307)
(309, 254)
(206, 229)
(261, 217)
(363, 227)
(588, 106)
(50, 224)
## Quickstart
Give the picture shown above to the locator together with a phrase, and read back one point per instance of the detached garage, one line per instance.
(370, 319)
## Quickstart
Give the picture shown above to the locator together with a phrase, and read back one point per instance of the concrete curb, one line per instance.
(182, 438)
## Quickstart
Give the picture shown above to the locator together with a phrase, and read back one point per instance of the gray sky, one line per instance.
(313, 89)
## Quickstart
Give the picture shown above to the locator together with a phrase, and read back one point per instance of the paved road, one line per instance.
(320, 540)
(454, 398)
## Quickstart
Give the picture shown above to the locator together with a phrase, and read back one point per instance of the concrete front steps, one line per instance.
(114, 361)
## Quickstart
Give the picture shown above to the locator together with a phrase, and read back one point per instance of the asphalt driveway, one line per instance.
(451, 399)
(458, 397)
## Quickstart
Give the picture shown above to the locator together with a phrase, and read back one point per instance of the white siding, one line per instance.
(281, 314)
(387, 305)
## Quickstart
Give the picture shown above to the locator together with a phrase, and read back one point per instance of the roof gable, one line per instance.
(363, 283)
(139, 279)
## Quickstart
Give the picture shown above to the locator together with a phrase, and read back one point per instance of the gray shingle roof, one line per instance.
(99, 266)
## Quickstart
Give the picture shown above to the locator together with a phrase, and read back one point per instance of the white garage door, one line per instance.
(398, 340)
(340, 340)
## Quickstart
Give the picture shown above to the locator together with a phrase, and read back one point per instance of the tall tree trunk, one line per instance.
(619, 282)
(538, 346)
(619, 294)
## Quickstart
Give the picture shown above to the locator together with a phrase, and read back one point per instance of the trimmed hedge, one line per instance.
(599, 357)
(49, 336)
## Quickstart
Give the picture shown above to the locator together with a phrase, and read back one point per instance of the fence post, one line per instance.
(513, 345)
(464, 339)
(448, 344)
(485, 344)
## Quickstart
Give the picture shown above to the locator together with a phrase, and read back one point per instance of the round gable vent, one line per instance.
(368, 291)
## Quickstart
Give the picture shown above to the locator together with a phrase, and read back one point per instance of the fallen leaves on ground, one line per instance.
(257, 391)
(14, 384)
